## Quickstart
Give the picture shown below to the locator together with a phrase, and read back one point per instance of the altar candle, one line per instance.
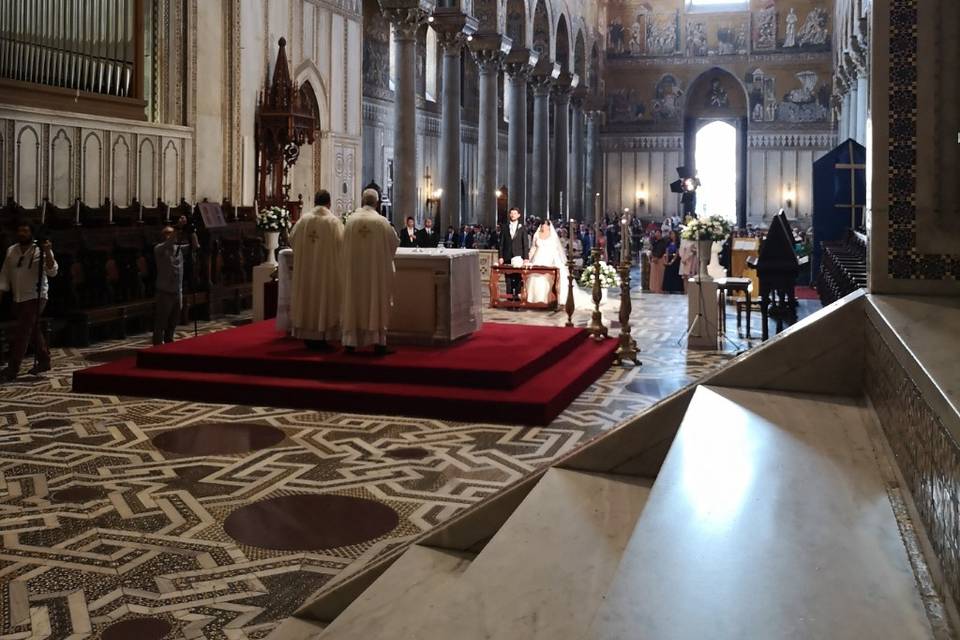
(624, 239)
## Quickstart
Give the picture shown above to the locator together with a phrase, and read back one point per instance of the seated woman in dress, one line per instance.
(546, 251)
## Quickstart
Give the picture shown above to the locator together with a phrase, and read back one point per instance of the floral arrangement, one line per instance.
(714, 228)
(273, 219)
(608, 276)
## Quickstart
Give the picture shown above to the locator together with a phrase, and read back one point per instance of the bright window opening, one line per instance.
(718, 5)
(431, 64)
(393, 62)
(716, 159)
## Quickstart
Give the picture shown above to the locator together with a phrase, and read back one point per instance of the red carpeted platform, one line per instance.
(499, 356)
(513, 374)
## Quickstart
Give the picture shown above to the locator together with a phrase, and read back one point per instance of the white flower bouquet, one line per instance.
(273, 219)
(609, 277)
(714, 228)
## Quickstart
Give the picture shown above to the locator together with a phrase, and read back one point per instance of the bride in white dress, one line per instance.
(546, 252)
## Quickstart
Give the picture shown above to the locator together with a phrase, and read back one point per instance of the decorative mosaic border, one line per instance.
(927, 454)
(905, 261)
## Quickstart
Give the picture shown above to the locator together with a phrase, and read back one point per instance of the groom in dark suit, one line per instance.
(514, 242)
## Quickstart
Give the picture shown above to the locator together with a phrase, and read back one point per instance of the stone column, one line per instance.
(453, 28)
(861, 108)
(561, 144)
(539, 196)
(592, 183)
(489, 52)
(519, 63)
(577, 174)
(405, 23)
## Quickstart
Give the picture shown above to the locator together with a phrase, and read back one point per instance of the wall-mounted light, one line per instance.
(430, 20)
(437, 194)
(641, 197)
(499, 194)
(788, 195)
(469, 38)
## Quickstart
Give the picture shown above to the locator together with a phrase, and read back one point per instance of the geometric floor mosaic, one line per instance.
(99, 526)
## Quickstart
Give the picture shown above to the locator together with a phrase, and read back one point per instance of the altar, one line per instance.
(436, 298)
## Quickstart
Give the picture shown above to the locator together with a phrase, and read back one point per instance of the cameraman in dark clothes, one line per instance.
(24, 278)
(169, 254)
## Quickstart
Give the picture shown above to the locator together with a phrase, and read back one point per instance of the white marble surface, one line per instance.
(388, 609)
(769, 519)
(436, 296)
(929, 328)
(704, 329)
(543, 575)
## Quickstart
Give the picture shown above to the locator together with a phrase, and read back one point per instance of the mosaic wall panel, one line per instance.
(905, 260)
(927, 454)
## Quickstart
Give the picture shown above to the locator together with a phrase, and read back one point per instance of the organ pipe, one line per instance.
(83, 45)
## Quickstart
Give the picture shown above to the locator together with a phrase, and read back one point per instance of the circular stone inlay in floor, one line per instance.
(218, 438)
(110, 356)
(408, 453)
(139, 628)
(49, 423)
(310, 522)
(77, 495)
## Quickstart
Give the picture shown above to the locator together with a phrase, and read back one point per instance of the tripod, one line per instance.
(721, 334)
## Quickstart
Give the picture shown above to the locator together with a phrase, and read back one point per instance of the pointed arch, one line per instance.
(580, 57)
(308, 73)
(562, 55)
(516, 22)
(540, 34)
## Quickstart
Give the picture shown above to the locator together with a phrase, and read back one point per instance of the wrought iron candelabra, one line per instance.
(627, 350)
(597, 329)
(570, 306)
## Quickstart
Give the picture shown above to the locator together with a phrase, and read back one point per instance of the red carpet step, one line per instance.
(547, 367)
(499, 356)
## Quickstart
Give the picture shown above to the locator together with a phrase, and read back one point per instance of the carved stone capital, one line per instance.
(489, 51)
(578, 98)
(454, 28)
(406, 21)
(520, 62)
(543, 76)
(564, 86)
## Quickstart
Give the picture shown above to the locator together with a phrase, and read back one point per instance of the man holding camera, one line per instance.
(169, 254)
(25, 270)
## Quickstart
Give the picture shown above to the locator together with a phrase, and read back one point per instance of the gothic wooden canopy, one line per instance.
(283, 125)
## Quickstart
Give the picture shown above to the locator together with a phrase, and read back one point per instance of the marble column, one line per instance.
(453, 28)
(863, 92)
(539, 195)
(518, 65)
(845, 118)
(577, 174)
(489, 52)
(592, 182)
(405, 23)
(560, 189)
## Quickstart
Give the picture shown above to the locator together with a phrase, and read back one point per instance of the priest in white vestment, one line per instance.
(369, 244)
(317, 241)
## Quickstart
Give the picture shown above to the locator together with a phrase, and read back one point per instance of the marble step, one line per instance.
(769, 519)
(543, 574)
(420, 575)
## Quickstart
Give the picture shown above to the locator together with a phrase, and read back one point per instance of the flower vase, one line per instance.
(704, 249)
(271, 239)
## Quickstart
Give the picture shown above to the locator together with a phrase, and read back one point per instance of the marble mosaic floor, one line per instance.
(101, 526)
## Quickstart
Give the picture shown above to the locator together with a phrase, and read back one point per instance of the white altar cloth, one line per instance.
(436, 299)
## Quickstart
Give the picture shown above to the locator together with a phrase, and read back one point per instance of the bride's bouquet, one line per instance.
(609, 277)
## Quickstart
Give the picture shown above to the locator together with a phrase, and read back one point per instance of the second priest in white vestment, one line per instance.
(317, 241)
(369, 244)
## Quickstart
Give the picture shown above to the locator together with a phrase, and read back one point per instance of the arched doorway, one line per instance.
(308, 172)
(715, 143)
(716, 163)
